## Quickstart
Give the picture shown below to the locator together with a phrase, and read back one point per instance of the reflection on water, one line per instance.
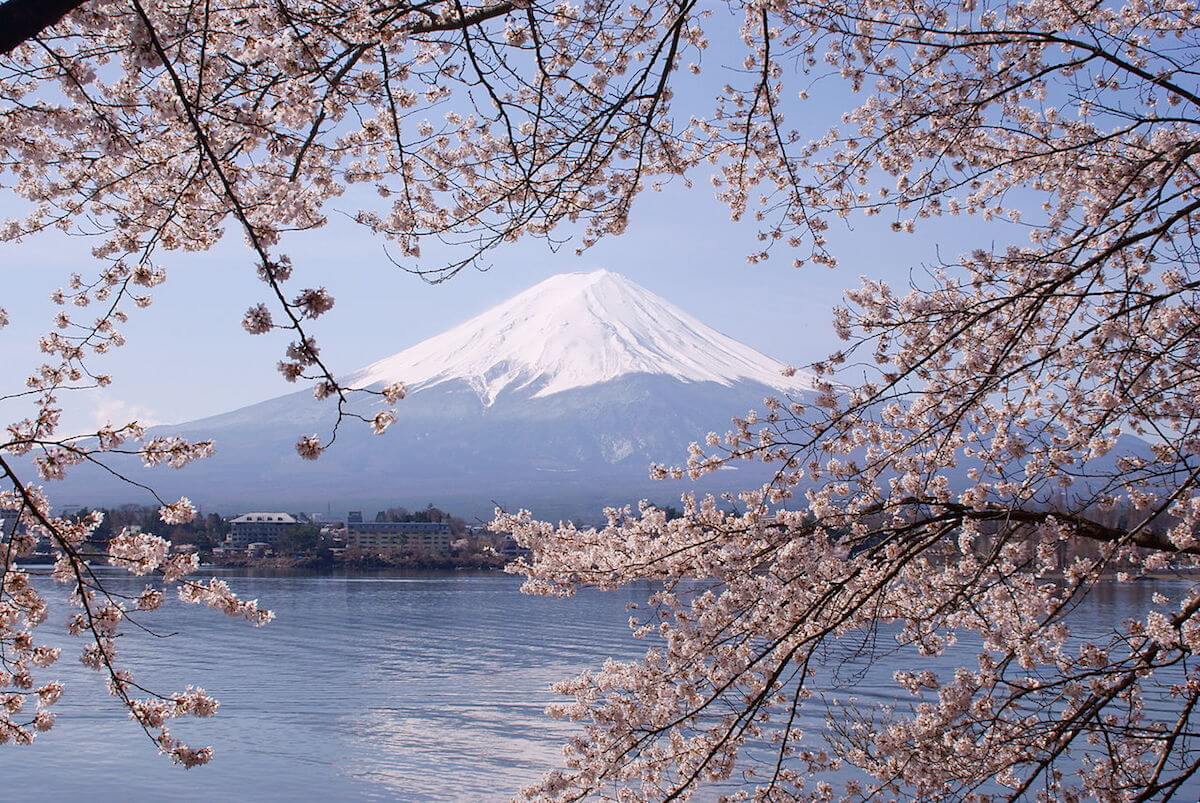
(427, 686)
(419, 687)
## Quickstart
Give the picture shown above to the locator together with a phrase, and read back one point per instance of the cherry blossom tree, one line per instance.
(151, 126)
(972, 428)
(961, 476)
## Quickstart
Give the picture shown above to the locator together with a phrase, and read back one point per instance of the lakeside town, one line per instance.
(396, 537)
(432, 538)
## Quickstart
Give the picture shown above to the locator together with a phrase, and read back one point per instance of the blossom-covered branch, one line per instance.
(965, 466)
(966, 470)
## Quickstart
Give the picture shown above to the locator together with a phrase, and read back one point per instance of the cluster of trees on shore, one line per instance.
(431, 513)
(204, 531)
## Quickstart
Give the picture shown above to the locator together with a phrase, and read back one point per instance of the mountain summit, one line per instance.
(557, 400)
(575, 330)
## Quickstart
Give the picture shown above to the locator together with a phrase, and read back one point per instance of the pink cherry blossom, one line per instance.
(962, 469)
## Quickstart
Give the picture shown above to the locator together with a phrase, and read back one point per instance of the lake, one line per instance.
(368, 686)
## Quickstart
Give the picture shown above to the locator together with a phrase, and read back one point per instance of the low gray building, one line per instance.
(386, 535)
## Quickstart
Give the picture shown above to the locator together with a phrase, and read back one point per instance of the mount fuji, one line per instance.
(557, 399)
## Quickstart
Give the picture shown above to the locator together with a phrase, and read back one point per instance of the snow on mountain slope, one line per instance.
(575, 330)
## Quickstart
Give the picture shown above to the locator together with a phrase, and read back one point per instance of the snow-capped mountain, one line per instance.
(572, 331)
(557, 399)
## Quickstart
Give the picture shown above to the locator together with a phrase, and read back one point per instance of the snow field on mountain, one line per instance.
(575, 330)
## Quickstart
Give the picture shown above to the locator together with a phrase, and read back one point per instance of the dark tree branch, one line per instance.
(21, 20)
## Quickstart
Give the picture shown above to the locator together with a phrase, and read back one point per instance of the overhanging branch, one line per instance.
(21, 20)
(1141, 536)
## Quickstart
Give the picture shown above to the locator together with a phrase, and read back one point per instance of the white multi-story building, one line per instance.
(256, 528)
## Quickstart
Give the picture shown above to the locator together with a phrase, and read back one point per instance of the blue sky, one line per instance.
(188, 357)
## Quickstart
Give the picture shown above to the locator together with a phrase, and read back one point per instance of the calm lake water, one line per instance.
(382, 686)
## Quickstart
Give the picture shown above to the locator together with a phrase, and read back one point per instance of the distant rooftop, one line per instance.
(278, 518)
(409, 527)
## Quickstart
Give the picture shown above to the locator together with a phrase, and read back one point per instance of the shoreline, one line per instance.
(367, 562)
(329, 564)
